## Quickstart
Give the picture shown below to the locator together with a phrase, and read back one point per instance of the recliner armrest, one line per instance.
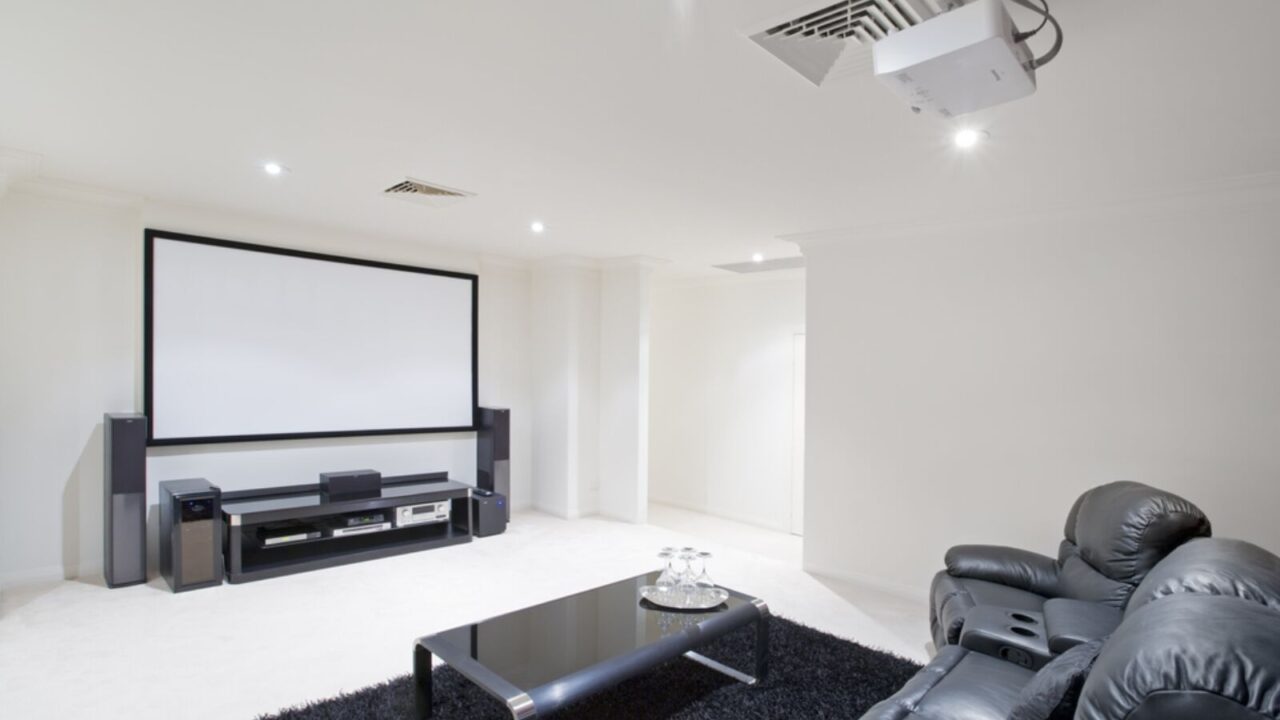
(1075, 622)
(1014, 567)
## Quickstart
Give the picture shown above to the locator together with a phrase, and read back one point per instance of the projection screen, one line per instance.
(248, 342)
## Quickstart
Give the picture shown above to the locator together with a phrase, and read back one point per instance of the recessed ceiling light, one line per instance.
(537, 226)
(968, 137)
(274, 168)
(757, 257)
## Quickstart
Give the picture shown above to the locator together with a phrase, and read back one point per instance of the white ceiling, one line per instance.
(629, 126)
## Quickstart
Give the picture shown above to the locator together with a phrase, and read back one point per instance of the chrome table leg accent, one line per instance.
(721, 668)
(762, 640)
(521, 707)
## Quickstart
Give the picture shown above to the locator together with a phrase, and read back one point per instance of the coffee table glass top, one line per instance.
(537, 645)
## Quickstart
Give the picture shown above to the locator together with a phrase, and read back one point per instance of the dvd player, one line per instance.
(287, 532)
(269, 540)
(371, 518)
(360, 529)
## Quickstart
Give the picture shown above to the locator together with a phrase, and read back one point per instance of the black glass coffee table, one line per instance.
(541, 658)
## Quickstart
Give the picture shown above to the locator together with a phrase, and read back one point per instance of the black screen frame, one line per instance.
(150, 235)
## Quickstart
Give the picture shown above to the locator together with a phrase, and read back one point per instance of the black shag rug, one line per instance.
(811, 675)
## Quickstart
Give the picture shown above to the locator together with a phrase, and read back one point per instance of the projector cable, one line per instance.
(1047, 19)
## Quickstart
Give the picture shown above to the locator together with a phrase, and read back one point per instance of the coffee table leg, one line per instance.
(762, 645)
(762, 652)
(421, 681)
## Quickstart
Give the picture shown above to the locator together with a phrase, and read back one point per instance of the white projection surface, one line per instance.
(251, 343)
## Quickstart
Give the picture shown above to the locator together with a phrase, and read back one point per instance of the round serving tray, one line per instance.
(676, 600)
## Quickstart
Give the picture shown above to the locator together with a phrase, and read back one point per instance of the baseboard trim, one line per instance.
(753, 522)
(31, 576)
(906, 592)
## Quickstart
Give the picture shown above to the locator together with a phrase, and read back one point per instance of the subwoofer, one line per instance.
(124, 499)
(489, 512)
(190, 534)
(493, 454)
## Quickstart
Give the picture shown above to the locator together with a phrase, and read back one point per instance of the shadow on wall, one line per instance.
(82, 514)
(906, 616)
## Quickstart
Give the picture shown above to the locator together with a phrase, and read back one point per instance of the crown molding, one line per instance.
(631, 261)
(1239, 190)
(573, 262)
(504, 262)
(724, 278)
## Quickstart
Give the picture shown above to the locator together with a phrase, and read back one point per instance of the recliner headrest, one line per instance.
(1213, 566)
(1124, 528)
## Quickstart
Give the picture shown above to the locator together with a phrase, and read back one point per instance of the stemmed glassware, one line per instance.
(667, 580)
(687, 576)
(702, 583)
(684, 582)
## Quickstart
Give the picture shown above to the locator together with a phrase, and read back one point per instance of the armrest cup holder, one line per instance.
(1017, 636)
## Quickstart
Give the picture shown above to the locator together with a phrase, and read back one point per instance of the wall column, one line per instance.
(565, 342)
(625, 290)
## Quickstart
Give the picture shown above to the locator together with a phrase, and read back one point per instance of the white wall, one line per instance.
(625, 300)
(564, 360)
(589, 362)
(71, 328)
(967, 382)
(505, 377)
(721, 392)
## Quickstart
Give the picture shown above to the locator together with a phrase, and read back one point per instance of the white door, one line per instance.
(797, 435)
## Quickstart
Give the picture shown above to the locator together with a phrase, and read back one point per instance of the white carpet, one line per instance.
(77, 649)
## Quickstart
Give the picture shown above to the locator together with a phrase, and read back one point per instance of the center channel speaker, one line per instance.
(124, 499)
(493, 454)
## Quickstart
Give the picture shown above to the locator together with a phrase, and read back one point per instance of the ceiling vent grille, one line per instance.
(825, 41)
(863, 20)
(425, 193)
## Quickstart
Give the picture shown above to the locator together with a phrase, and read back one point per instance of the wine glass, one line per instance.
(667, 580)
(703, 586)
(687, 556)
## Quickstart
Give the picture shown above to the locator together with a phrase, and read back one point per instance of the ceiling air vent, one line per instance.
(425, 193)
(824, 41)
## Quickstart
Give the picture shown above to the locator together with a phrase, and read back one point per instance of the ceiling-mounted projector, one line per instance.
(958, 62)
(945, 56)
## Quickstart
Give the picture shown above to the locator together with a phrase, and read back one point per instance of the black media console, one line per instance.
(279, 531)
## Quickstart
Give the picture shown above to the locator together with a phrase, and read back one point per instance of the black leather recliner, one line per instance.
(1115, 534)
(1199, 639)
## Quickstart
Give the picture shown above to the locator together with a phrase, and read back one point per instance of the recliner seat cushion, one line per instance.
(1078, 580)
(956, 685)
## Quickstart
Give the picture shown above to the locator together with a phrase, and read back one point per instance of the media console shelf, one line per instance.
(246, 513)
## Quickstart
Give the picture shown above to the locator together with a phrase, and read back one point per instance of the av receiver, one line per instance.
(432, 512)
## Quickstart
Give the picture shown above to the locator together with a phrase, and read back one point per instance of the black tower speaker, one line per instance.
(124, 500)
(190, 534)
(493, 453)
